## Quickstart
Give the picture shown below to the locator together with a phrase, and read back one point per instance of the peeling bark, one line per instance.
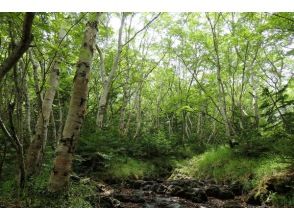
(34, 154)
(62, 164)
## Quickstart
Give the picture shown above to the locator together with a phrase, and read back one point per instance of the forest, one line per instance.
(147, 110)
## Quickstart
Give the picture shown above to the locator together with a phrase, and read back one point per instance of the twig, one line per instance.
(147, 25)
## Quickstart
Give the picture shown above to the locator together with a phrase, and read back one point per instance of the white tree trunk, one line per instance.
(34, 154)
(62, 164)
(107, 82)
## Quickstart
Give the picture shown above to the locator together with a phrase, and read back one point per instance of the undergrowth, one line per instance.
(223, 165)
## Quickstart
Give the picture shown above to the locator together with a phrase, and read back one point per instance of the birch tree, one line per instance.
(35, 150)
(62, 164)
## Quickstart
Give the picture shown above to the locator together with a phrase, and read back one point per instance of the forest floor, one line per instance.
(185, 193)
(215, 179)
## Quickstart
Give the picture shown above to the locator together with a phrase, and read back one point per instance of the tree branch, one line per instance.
(7, 133)
(146, 26)
(24, 44)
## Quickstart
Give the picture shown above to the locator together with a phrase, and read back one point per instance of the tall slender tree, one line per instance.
(62, 164)
(34, 155)
(107, 81)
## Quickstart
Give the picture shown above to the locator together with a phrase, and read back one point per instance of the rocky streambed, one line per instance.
(183, 193)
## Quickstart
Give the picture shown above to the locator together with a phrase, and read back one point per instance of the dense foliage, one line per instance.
(210, 95)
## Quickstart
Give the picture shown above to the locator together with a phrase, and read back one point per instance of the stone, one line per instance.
(212, 191)
(253, 199)
(232, 204)
(136, 184)
(281, 185)
(236, 188)
(196, 195)
(225, 194)
(103, 201)
(161, 189)
(129, 198)
(174, 190)
(199, 195)
(216, 192)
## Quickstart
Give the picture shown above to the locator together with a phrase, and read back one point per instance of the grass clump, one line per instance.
(223, 165)
(129, 168)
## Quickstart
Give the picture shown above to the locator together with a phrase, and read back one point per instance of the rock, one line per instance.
(216, 192)
(253, 199)
(161, 202)
(150, 186)
(146, 183)
(232, 204)
(174, 190)
(236, 188)
(161, 189)
(147, 193)
(103, 201)
(281, 185)
(158, 188)
(148, 205)
(130, 198)
(199, 195)
(141, 184)
(212, 191)
(187, 183)
(196, 195)
(225, 194)
(101, 188)
(136, 184)
(109, 202)
(174, 205)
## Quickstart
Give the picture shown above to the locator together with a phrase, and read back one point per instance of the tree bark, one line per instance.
(123, 111)
(60, 120)
(21, 48)
(28, 138)
(62, 164)
(36, 79)
(103, 102)
(54, 131)
(34, 154)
